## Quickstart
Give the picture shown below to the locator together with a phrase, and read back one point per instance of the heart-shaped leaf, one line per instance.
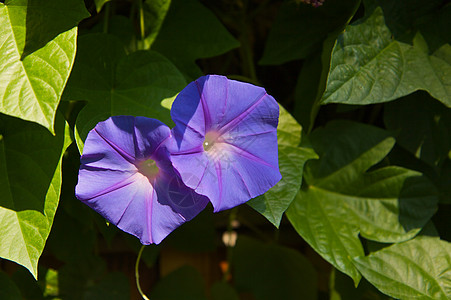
(342, 199)
(114, 83)
(369, 66)
(30, 181)
(38, 44)
(190, 31)
(416, 269)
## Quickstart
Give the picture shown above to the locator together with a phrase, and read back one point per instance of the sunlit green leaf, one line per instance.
(114, 83)
(416, 269)
(272, 272)
(38, 44)
(30, 181)
(342, 199)
(51, 283)
(369, 66)
(154, 14)
(292, 158)
(100, 3)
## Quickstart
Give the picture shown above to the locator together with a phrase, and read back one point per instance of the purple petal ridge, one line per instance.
(110, 180)
(241, 161)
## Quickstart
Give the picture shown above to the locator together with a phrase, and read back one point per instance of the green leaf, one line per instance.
(114, 83)
(76, 279)
(30, 181)
(187, 238)
(405, 18)
(189, 32)
(184, 283)
(369, 66)
(51, 283)
(300, 29)
(292, 158)
(71, 240)
(223, 291)
(425, 130)
(112, 286)
(416, 269)
(312, 78)
(342, 288)
(272, 271)
(122, 28)
(100, 3)
(8, 290)
(38, 44)
(154, 15)
(288, 130)
(342, 199)
(307, 94)
(27, 284)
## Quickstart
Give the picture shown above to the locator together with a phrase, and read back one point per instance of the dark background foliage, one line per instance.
(363, 211)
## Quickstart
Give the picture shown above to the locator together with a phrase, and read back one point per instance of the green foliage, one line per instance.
(100, 3)
(36, 55)
(370, 66)
(416, 269)
(30, 181)
(292, 158)
(189, 32)
(341, 199)
(189, 283)
(155, 14)
(299, 30)
(223, 291)
(114, 83)
(271, 271)
(8, 290)
(364, 145)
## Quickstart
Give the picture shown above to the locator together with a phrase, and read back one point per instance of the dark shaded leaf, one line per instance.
(272, 271)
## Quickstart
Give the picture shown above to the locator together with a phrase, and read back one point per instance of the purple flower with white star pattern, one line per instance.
(224, 143)
(125, 175)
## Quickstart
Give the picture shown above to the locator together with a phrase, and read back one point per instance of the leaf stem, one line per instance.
(141, 23)
(247, 55)
(137, 273)
(106, 20)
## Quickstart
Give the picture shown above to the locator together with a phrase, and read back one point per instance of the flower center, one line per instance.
(210, 139)
(149, 168)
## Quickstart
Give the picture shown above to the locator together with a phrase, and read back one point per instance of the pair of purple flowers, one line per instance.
(148, 179)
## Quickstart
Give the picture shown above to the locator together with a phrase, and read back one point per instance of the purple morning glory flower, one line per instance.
(125, 175)
(224, 142)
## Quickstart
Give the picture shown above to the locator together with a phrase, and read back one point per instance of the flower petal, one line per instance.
(120, 141)
(243, 162)
(110, 179)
